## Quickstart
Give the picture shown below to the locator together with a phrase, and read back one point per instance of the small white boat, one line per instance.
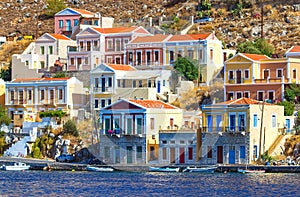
(164, 169)
(18, 166)
(250, 171)
(208, 169)
(99, 169)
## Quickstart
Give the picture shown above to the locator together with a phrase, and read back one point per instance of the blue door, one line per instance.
(232, 122)
(68, 28)
(209, 123)
(158, 86)
(232, 155)
(219, 123)
(288, 125)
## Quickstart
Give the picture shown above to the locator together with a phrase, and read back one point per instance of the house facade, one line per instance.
(259, 77)
(239, 131)
(40, 56)
(129, 133)
(101, 45)
(110, 82)
(25, 98)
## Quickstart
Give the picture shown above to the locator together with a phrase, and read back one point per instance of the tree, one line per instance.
(54, 6)
(70, 128)
(60, 75)
(5, 74)
(58, 114)
(187, 67)
(288, 108)
(292, 92)
(4, 119)
(258, 46)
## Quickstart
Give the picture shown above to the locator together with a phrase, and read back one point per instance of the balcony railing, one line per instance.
(236, 80)
(118, 132)
(232, 129)
(103, 90)
(146, 63)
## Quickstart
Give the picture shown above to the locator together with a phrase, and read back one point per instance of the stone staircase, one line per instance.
(277, 146)
(20, 148)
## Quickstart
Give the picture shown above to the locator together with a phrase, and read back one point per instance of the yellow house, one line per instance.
(2, 93)
(247, 128)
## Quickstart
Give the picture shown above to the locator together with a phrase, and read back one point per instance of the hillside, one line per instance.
(281, 18)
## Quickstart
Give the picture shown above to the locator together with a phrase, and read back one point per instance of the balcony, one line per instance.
(146, 64)
(238, 129)
(103, 90)
(236, 80)
(271, 80)
(118, 132)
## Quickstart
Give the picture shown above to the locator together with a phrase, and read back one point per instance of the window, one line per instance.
(279, 73)
(72, 61)
(171, 122)
(211, 54)
(102, 103)
(242, 152)
(86, 60)
(260, 95)
(21, 96)
(139, 151)
(42, 50)
(255, 153)
(172, 142)
(29, 95)
(126, 40)
(190, 152)
(140, 83)
(273, 121)
(230, 95)
(149, 83)
(164, 141)
(12, 95)
(61, 23)
(109, 82)
(239, 95)
(96, 103)
(139, 125)
(129, 125)
(230, 74)
(200, 54)
(156, 56)
(246, 74)
(60, 94)
(50, 50)
(51, 95)
(294, 73)
(151, 123)
(266, 73)
(247, 94)
(109, 101)
(181, 142)
(27, 63)
(271, 95)
(134, 83)
(118, 45)
(107, 123)
(164, 153)
(242, 121)
(191, 54)
(209, 152)
(42, 95)
(81, 44)
(75, 22)
(119, 83)
(255, 120)
(109, 44)
(164, 82)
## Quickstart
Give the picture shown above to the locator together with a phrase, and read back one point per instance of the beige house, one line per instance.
(25, 98)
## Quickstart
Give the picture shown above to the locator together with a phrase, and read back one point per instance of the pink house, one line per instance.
(101, 45)
(68, 20)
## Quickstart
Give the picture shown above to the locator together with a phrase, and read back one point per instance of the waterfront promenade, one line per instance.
(49, 164)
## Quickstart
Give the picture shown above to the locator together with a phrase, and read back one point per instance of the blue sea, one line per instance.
(67, 183)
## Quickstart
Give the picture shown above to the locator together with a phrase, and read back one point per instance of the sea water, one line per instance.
(66, 183)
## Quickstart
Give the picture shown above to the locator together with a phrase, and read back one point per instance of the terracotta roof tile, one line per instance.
(242, 101)
(82, 11)
(154, 38)
(295, 49)
(60, 37)
(114, 30)
(256, 57)
(188, 37)
(121, 67)
(153, 104)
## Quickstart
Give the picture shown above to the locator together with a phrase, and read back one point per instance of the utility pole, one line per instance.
(261, 129)
(262, 19)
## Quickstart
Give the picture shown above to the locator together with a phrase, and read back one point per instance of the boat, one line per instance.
(208, 169)
(99, 169)
(164, 169)
(250, 171)
(18, 166)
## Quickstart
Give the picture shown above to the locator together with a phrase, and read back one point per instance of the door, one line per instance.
(68, 27)
(231, 155)
(158, 86)
(219, 123)
(102, 84)
(172, 155)
(232, 122)
(238, 76)
(219, 154)
(182, 155)
(152, 155)
(129, 154)
(287, 125)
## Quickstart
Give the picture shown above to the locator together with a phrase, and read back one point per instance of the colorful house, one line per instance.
(72, 20)
(99, 45)
(238, 131)
(110, 82)
(259, 77)
(25, 98)
(129, 133)
(42, 55)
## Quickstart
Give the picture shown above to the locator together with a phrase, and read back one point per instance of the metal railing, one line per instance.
(233, 129)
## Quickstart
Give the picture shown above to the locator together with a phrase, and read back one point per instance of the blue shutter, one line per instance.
(242, 152)
(255, 120)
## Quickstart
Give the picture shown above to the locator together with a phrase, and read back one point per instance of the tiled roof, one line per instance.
(153, 104)
(241, 101)
(295, 49)
(60, 37)
(154, 38)
(114, 30)
(82, 11)
(189, 37)
(255, 57)
(39, 79)
(121, 67)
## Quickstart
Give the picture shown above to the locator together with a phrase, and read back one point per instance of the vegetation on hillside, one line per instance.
(54, 6)
(258, 46)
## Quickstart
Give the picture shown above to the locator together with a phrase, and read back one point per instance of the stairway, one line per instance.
(19, 149)
(277, 145)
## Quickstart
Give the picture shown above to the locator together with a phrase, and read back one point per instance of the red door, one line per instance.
(182, 156)
(220, 154)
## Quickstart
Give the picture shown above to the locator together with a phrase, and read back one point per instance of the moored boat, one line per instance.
(164, 169)
(99, 169)
(250, 171)
(208, 169)
(18, 166)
